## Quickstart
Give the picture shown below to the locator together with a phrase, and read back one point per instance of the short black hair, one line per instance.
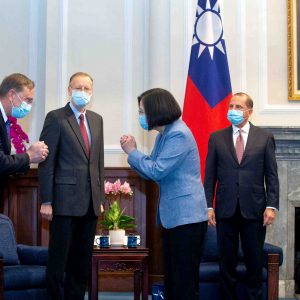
(160, 107)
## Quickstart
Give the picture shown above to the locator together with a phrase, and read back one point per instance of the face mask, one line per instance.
(21, 111)
(235, 117)
(143, 122)
(81, 98)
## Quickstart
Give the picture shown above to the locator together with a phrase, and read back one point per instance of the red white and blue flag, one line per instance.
(208, 88)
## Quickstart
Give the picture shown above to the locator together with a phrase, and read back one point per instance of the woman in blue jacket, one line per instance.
(174, 165)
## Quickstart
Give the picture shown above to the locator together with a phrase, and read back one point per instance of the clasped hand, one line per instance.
(38, 152)
(128, 143)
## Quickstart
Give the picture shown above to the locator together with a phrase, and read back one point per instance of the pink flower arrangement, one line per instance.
(117, 189)
(113, 217)
(18, 137)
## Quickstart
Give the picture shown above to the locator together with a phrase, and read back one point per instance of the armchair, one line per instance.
(22, 267)
(209, 270)
(209, 286)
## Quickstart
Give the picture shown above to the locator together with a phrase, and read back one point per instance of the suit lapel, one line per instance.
(250, 141)
(75, 127)
(229, 143)
(93, 129)
(161, 138)
(5, 137)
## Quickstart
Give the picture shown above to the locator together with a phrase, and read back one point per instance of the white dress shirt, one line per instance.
(3, 112)
(245, 132)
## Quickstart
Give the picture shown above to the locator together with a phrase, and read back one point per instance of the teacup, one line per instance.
(133, 241)
(96, 240)
(103, 241)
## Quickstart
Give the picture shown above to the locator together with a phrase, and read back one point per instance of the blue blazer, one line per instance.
(175, 165)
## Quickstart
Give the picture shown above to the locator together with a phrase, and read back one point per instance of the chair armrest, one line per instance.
(1, 277)
(273, 259)
(32, 255)
(271, 249)
(273, 275)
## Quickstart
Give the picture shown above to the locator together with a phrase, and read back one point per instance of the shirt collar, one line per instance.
(3, 112)
(76, 112)
(245, 128)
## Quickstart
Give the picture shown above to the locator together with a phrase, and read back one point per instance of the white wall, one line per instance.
(129, 46)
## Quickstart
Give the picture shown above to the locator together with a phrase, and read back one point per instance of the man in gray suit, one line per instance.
(71, 188)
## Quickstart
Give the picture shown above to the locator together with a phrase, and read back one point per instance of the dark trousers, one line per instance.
(70, 253)
(182, 248)
(252, 234)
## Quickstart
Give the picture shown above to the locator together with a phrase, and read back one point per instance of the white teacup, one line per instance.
(138, 239)
(97, 240)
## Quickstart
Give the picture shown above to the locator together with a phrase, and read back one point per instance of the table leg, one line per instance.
(137, 284)
(145, 281)
(94, 280)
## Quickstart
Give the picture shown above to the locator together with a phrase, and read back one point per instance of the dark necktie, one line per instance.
(239, 146)
(84, 133)
(7, 124)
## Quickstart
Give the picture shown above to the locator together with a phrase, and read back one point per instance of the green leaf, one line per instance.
(114, 218)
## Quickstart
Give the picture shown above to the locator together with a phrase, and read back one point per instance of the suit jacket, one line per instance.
(68, 178)
(253, 183)
(10, 164)
(175, 165)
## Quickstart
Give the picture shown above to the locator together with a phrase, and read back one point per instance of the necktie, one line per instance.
(84, 133)
(7, 124)
(239, 146)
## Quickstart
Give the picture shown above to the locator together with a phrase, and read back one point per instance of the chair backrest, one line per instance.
(8, 245)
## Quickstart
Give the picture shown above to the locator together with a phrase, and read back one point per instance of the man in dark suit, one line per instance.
(241, 171)
(71, 189)
(16, 98)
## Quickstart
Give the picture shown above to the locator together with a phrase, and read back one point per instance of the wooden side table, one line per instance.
(119, 259)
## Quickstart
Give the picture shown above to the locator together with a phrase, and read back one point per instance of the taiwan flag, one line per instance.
(208, 88)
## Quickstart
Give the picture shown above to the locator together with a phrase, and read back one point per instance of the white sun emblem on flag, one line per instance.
(208, 29)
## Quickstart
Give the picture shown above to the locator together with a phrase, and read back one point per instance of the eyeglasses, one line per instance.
(26, 99)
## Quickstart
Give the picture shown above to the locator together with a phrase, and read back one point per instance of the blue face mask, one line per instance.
(81, 98)
(235, 117)
(21, 111)
(143, 122)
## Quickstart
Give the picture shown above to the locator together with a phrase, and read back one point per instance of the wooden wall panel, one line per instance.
(22, 206)
(20, 202)
(154, 239)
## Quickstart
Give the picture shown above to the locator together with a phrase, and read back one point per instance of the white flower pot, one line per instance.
(117, 237)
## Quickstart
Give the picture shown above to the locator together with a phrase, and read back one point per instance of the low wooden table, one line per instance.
(119, 259)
